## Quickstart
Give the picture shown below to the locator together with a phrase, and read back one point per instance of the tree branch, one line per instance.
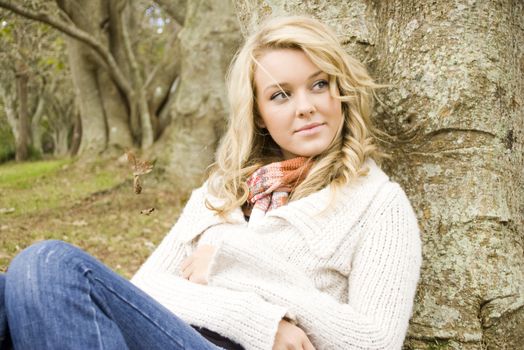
(78, 34)
(143, 110)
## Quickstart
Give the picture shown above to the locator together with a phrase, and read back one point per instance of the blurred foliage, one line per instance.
(40, 52)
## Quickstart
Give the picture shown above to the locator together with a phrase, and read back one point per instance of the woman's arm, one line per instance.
(242, 316)
(381, 285)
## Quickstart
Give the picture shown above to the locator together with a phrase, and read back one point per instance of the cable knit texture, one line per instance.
(346, 274)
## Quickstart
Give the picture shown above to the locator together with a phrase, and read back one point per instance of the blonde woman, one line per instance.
(297, 240)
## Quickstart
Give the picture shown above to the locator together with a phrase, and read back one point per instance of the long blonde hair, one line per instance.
(245, 146)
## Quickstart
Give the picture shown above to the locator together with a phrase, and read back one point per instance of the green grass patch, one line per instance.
(49, 185)
(23, 175)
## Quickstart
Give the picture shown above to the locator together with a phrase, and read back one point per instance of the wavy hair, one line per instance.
(245, 146)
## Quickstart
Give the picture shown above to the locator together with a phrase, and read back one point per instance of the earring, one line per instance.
(263, 132)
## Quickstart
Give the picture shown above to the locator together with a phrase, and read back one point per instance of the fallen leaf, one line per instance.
(147, 211)
(149, 245)
(7, 210)
(79, 223)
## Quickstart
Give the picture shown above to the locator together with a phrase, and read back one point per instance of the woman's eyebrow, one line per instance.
(315, 74)
(279, 85)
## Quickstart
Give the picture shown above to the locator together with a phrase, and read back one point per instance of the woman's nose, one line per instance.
(305, 107)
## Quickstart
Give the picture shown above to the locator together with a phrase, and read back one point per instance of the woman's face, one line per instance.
(295, 104)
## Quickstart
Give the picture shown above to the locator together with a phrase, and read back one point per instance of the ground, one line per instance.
(89, 204)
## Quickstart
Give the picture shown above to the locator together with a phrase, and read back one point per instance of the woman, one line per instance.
(297, 240)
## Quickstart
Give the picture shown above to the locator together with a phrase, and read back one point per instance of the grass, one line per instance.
(20, 175)
(29, 188)
(91, 205)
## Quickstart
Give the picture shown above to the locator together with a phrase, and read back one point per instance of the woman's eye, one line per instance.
(320, 84)
(279, 95)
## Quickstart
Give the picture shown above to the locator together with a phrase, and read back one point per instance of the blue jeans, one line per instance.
(58, 297)
(4, 335)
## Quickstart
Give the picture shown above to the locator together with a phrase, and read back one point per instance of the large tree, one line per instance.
(455, 114)
(131, 93)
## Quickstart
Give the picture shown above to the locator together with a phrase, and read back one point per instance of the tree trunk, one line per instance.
(94, 135)
(456, 114)
(23, 140)
(103, 108)
(208, 41)
(36, 128)
(10, 110)
(139, 96)
(77, 133)
(61, 138)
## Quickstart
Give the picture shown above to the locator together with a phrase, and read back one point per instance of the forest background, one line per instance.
(83, 82)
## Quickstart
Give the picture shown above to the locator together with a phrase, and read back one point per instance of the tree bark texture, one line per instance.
(103, 107)
(455, 114)
(208, 40)
(36, 127)
(94, 135)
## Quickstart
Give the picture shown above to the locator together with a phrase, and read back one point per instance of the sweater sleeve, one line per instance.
(241, 316)
(381, 284)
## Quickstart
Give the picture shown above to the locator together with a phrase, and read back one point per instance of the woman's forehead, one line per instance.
(283, 66)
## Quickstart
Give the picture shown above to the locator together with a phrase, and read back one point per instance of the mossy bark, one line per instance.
(456, 116)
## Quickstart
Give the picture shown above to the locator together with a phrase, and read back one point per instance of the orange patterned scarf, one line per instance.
(270, 185)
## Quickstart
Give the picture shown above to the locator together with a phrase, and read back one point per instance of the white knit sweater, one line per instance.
(347, 275)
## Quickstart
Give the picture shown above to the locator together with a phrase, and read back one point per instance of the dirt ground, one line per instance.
(91, 205)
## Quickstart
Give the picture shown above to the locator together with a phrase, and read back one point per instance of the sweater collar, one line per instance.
(323, 231)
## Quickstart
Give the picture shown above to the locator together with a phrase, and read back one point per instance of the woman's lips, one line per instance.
(310, 128)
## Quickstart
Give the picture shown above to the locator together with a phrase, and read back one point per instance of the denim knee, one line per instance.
(40, 262)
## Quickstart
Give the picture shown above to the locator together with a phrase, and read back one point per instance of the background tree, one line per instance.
(31, 66)
(173, 93)
(455, 114)
(109, 82)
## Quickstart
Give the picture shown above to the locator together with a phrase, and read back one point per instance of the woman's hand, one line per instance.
(195, 267)
(291, 337)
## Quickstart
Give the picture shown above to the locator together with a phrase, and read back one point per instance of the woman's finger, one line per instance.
(188, 271)
(187, 261)
(306, 345)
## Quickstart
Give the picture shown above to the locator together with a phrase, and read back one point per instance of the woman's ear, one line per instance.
(260, 123)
